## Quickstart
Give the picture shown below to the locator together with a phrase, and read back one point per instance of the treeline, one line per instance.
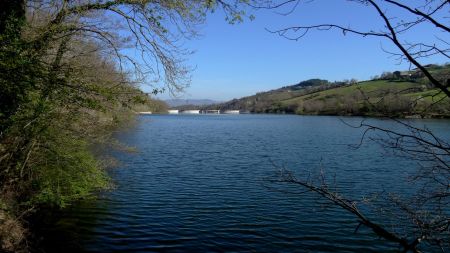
(61, 93)
(393, 94)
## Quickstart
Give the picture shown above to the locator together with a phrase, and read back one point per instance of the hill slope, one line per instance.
(399, 94)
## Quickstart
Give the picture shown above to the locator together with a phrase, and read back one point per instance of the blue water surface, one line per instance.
(203, 183)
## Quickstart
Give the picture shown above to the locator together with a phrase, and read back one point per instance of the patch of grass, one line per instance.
(369, 89)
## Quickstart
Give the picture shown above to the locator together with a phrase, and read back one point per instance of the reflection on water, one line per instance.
(199, 184)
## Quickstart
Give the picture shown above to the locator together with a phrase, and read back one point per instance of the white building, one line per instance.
(231, 112)
(191, 112)
(174, 111)
(211, 111)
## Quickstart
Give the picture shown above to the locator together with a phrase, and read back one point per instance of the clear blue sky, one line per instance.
(233, 61)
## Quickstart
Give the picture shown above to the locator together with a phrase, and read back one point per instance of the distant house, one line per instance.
(191, 112)
(210, 111)
(401, 74)
(231, 112)
(173, 111)
(408, 74)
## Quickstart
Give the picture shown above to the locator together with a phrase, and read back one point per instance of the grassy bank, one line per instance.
(374, 98)
(391, 96)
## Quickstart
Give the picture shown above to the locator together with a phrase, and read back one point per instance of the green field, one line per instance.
(381, 97)
(397, 98)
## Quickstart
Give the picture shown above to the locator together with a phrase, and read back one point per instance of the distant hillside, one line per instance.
(263, 102)
(196, 102)
(398, 94)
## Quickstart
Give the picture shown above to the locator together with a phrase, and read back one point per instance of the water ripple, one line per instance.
(198, 185)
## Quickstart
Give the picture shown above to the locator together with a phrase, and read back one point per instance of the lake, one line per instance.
(202, 183)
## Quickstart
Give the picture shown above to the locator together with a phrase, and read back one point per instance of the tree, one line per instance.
(67, 76)
(427, 213)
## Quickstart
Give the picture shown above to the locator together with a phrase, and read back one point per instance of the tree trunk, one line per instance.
(12, 16)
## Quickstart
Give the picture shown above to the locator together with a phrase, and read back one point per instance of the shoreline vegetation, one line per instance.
(399, 94)
(62, 96)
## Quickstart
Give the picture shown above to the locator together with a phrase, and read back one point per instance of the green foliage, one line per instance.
(380, 97)
(19, 73)
(374, 98)
(65, 171)
(60, 94)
